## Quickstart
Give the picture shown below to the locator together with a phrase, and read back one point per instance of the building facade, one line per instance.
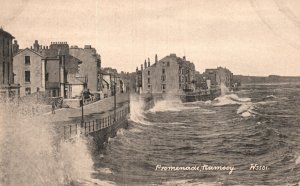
(90, 67)
(7, 86)
(110, 78)
(171, 75)
(50, 70)
(29, 71)
(219, 76)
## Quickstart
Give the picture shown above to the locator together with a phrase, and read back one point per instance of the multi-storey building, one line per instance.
(29, 71)
(90, 67)
(51, 70)
(7, 86)
(110, 78)
(171, 74)
(219, 76)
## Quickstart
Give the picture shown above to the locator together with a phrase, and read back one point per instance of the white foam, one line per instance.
(297, 160)
(30, 155)
(173, 105)
(135, 130)
(246, 114)
(271, 96)
(105, 170)
(120, 132)
(246, 106)
(208, 102)
(137, 110)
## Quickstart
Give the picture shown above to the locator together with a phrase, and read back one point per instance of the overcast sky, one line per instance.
(250, 37)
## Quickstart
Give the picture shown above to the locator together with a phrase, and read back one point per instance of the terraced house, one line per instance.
(171, 74)
(50, 70)
(7, 49)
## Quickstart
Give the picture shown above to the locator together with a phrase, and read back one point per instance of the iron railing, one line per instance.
(90, 126)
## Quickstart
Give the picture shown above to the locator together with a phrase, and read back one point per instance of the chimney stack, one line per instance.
(36, 45)
(145, 64)
(148, 62)
(155, 58)
(142, 67)
(15, 47)
(137, 69)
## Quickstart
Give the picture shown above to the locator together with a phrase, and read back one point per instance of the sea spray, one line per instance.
(246, 106)
(170, 103)
(29, 154)
(224, 89)
(137, 105)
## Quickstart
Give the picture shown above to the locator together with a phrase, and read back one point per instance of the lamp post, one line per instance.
(82, 101)
(115, 98)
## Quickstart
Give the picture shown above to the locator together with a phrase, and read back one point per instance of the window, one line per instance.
(163, 78)
(148, 72)
(47, 77)
(148, 80)
(27, 60)
(163, 87)
(27, 91)
(27, 76)
(163, 71)
(168, 63)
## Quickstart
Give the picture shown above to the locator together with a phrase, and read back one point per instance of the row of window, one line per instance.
(28, 90)
(183, 79)
(163, 78)
(181, 71)
(27, 77)
(168, 63)
(163, 86)
(163, 71)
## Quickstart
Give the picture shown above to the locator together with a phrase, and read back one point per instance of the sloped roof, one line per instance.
(2, 32)
(31, 50)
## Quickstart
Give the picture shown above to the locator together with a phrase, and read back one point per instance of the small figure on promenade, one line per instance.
(53, 107)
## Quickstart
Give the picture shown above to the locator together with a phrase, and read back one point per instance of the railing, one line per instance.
(88, 127)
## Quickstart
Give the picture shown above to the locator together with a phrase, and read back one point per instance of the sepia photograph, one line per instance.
(150, 93)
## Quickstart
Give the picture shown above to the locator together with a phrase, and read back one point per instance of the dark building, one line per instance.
(7, 86)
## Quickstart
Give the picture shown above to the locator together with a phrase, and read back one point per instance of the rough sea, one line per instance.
(246, 137)
(256, 130)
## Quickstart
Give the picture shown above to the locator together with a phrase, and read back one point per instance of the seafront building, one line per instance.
(110, 77)
(218, 77)
(53, 71)
(7, 50)
(91, 66)
(171, 75)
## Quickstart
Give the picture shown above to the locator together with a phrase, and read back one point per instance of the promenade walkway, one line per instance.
(91, 111)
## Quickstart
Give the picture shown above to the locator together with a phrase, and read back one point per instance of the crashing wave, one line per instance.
(32, 153)
(246, 106)
(297, 160)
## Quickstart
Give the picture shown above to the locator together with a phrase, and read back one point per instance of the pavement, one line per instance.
(90, 111)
